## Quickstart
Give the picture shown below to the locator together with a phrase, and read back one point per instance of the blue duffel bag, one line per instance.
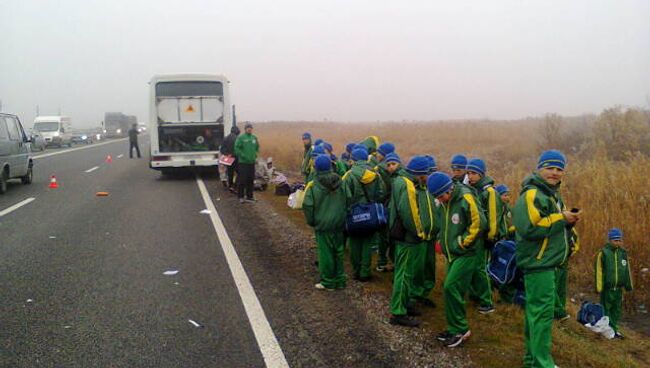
(590, 313)
(502, 267)
(365, 218)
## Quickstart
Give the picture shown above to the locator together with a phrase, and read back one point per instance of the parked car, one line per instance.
(15, 152)
(38, 141)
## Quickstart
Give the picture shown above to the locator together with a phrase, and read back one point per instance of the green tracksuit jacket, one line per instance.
(246, 148)
(461, 223)
(492, 207)
(371, 143)
(403, 207)
(612, 269)
(361, 176)
(305, 166)
(324, 203)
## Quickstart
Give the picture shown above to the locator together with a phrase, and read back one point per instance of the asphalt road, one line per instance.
(82, 275)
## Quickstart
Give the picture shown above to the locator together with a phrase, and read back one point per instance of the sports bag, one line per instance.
(365, 218)
(590, 313)
(502, 267)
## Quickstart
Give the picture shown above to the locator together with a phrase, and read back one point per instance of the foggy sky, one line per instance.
(337, 60)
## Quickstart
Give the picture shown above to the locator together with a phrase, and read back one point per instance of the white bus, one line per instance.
(189, 115)
(56, 130)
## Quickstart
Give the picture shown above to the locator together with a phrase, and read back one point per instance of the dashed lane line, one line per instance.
(92, 169)
(266, 340)
(16, 206)
(78, 148)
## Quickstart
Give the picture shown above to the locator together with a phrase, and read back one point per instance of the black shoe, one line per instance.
(413, 312)
(404, 321)
(427, 303)
(456, 340)
(444, 336)
(619, 336)
(486, 309)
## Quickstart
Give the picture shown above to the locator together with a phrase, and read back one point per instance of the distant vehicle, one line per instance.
(188, 115)
(56, 130)
(116, 124)
(85, 136)
(142, 127)
(15, 152)
(38, 142)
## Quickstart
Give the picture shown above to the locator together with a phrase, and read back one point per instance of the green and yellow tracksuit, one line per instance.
(383, 238)
(460, 222)
(371, 143)
(562, 274)
(492, 206)
(405, 214)
(340, 167)
(542, 246)
(246, 148)
(424, 277)
(613, 274)
(307, 162)
(324, 209)
(361, 176)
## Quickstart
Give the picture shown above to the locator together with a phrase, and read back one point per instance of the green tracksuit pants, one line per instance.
(457, 282)
(330, 259)
(424, 278)
(382, 236)
(561, 279)
(361, 254)
(405, 259)
(612, 302)
(481, 288)
(538, 321)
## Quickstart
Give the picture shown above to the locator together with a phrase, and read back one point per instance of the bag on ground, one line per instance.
(295, 199)
(590, 313)
(283, 189)
(502, 267)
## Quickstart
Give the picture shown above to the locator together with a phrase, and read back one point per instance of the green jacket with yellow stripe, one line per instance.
(403, 207)
(324, 203)
(361, 176)
(492, 206)
(307, 162)
(460, 222)
(428, 213)
(542, 233)
(612, 269)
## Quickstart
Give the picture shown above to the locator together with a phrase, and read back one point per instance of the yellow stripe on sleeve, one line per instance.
(413, 204)
(492, 213)
(534, 215)
(599, 272)
(475, 225)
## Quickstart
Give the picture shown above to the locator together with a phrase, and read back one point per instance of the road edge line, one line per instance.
(266, 339)
(45, 155)
(16, 206)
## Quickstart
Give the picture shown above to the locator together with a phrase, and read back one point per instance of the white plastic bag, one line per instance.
(602, 327)
(295, 199)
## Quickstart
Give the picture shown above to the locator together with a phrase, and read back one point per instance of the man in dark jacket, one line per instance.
(228, 149)
(133, 140)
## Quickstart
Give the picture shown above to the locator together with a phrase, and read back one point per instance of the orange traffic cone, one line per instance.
(53, 183)
(109, 159)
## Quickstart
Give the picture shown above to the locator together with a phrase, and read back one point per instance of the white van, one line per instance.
(56, 130)
(188, 115)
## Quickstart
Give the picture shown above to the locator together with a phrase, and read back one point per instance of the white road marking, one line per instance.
(16, 206)
(120, 156)
(266, 340)
(92, 169)
(78, 148)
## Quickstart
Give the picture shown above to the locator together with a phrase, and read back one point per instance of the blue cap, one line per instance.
(322, 163)
(458, 162)
(432, 164)
(306, 135)
(328, 147)
(502, 188)
(350, 147)
(392, 157)
(551, 158)
(615, 234)
(317, 150)
(439, 183)
(386, 148)
(360, 154)
(419, 165)
(477, 165)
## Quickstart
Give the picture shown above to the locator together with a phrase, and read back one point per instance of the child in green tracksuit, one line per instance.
(460, 221)
(324, 209)
(362, 185)
(305, 166)
(542, 228)
(613, 274)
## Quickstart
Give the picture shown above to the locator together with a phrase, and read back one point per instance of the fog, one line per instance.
(335, 60)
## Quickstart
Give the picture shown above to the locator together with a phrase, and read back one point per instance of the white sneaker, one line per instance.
(320, 286)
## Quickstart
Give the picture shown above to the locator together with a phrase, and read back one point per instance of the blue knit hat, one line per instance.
(551, 158)
(458, 162)
(439, 183)
(419, 165)
(318, 142)
(306, 135)
(477, 165)
(327, 146)
(322, 163)
(386, 148)
(392, 157)
(350, 147)
(615, 234)
(345, 156)
(318, 150)
(360, 154)
(502, 188)
(432, 164)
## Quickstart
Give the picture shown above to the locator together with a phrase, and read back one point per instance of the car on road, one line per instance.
(85, 136)
(15, 152)
(38, 141)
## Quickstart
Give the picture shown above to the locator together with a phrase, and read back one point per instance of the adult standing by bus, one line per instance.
(246, 149)
(133, 140)
(228, 149)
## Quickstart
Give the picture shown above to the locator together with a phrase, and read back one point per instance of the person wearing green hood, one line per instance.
(362, 185)
(460, 222)
(490, 202)
(324, 209)
(542, 228)
(371, 143)
(613, 274)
